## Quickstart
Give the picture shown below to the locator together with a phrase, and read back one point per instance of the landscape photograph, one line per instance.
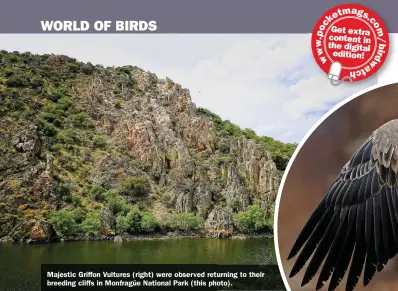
(149, 150)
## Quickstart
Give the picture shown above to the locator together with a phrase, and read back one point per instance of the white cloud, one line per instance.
(289, 133)
(388, 73)
(269, 83)
(317, 94)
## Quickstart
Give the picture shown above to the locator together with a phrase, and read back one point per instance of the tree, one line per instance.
(91, 225)
(253, 219)
(64, 222)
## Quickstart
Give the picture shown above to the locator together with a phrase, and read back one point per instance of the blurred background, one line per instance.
(318, 164)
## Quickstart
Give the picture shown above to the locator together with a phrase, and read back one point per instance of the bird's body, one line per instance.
(357, 220)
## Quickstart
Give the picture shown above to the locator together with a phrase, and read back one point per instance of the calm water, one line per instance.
(20, 263)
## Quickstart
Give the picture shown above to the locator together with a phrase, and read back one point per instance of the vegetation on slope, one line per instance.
(281, 152)
(41, 90)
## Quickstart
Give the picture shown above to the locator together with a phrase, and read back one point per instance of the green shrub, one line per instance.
(134, 217)
(50, 117)
(36, 82)
(58, 94)
(88, 69)
(122, 224)
(253, 219)
(79, 214)
(8, 73)
(115, 202)
(131, 222)
(46, 128)
(64, 222)
(17, 81)
(183, 222)
(62, 190)
(68, 162)
(148, 222)
(80, 120)
(249, 133)
(69, 136)
(76, 199)
(269, 221)
(97, 193)
(99, 141)
(65, 137)
(92, 225)
(135, 187)
(190, 222)
(64, 104)
(125, 70)
(225, 160)
(73, 68)
(14, 57)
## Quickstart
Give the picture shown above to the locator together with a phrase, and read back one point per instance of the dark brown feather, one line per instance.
(357, 220)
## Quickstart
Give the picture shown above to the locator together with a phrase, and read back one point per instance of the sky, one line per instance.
(266, 82)
(388, 73)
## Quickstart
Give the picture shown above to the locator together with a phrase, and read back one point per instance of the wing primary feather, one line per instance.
(350, 198)
(337, 195)
(388, 233)
(322, 249)
(394, 197)
(392, 215)
(366, 155)
(375, 184)
(307, 230)
(365, 188)
(331, 259)
(368, 187)
(357, 222)
(335, 187)
(378, 233)
(312, 242)
(358, 258)
(356, 157)
(370, 265)
(361, 154)
(334, 190)
(345, 193)
(346, 251)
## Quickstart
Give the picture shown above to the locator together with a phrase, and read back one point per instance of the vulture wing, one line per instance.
(357, 220)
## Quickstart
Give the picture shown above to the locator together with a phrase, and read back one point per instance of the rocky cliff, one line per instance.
(79, 139)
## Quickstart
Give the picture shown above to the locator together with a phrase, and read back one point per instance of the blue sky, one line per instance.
(269, 83)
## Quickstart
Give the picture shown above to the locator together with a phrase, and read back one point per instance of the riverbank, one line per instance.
(152, 236)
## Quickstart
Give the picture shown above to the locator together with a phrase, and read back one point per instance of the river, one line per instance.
(20, 262)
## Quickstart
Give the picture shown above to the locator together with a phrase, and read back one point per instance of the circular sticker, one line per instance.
(350, 42)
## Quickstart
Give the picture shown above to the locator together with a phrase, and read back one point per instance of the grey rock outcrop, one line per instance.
(118, 239)
(220, 219)
(108, 222)
(146, 128)
(6, 239)
(27, 141)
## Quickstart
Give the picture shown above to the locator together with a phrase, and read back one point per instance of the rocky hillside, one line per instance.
(88, 150)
